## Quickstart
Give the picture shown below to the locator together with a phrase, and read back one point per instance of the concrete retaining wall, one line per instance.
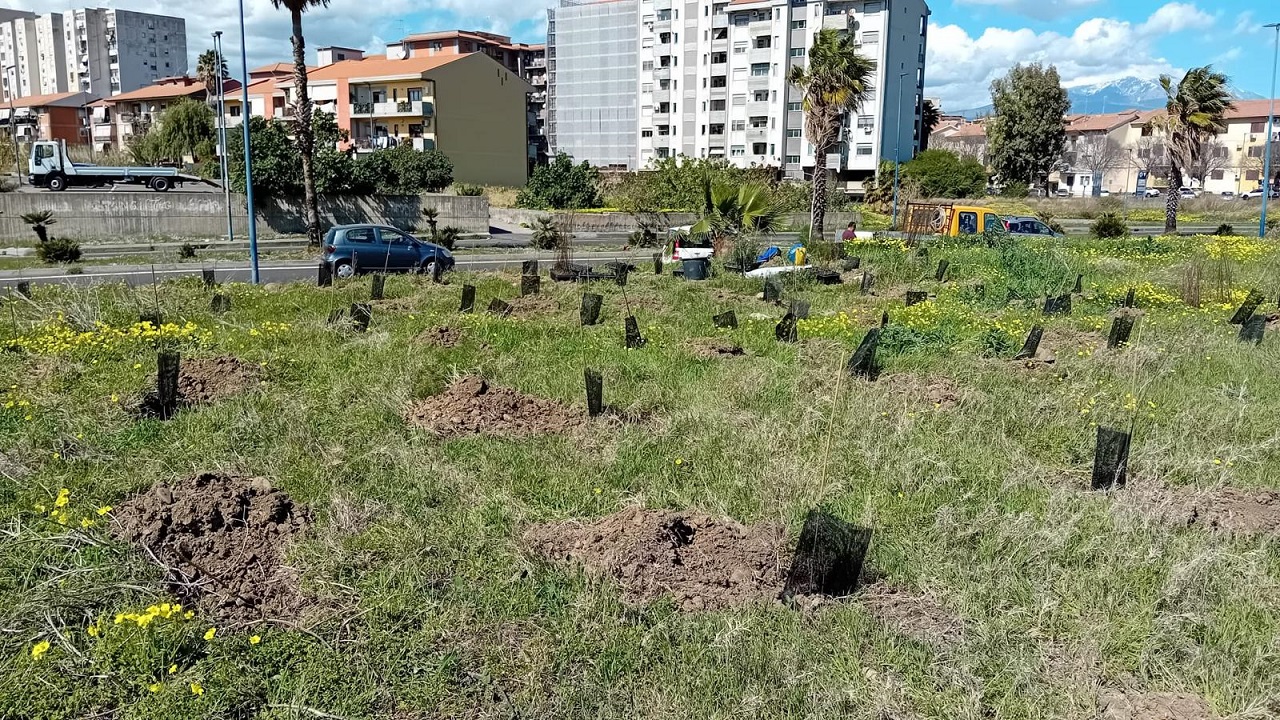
(135, 215)
(624, 222)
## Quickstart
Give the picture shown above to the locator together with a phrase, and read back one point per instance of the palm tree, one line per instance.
(836, 81)
(208, 70)
(930, 116)
(732, 213)
(1193, 116)
(40, 221)
(302, 112)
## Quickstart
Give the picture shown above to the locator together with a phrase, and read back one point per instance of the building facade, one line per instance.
(709, 79)
(92, 50)
(57, 116)
(115, 120)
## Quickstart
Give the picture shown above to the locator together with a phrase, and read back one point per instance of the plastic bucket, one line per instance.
(697, 269)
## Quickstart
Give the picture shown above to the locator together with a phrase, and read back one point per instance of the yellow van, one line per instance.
(952, 220)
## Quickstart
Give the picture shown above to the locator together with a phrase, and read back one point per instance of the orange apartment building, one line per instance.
(114, 120)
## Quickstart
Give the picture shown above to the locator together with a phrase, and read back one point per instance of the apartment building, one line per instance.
(114, 120)
(58, 116)
(99, 51)
(468, 106)
(710, 81)
(528, 61)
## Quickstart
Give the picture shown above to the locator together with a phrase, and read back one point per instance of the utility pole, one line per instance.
(13, 130)
(219, 63)
(897, 152)
(1267, 184)
(254, 276)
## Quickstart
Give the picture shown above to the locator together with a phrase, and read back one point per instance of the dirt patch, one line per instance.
(208, 380)
(702, 562)
(443, 336)
(919, 617)
(1130, 705)
(1230, 511)
(710, 349)
(222, 540)
(470, 406)
(1066, 340)
(531, 305)
(938, 391)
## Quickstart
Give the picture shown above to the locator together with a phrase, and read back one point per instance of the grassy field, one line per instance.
(972, 469)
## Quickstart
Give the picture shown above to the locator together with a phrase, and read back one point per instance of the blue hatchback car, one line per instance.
(352, 249)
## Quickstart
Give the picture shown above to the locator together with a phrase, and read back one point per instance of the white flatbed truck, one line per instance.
(49, 167)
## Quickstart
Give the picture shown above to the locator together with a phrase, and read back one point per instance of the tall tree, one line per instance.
(302, 112)
(185, 128)
(930, 116)
(1028, 133)
(836, 81)
(1193, 115)
(208, 70)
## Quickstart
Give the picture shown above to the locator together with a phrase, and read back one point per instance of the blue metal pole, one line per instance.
(1271, 116)
(897, 152)
(254, 276)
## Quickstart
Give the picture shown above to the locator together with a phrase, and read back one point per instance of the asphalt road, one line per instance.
(270, 272)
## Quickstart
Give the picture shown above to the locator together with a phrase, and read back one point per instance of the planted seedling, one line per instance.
(941, 275)
(634, 339)
(786, 329)
(727, 319)
(828, 558)
(863, 363)
(378, 287)
(1121, 329)
(220, 303)
(868, 280)
(1032, 345)
(210, 278)
(361, 316)
(772, 290)
(529, 285)
(468, 299)
(595, 392)
(915, 297)
(1253, 329)
(1247, 308)
(590, 311)
(1110, 459)
(499, 307)
(324, 276)
(168, 367)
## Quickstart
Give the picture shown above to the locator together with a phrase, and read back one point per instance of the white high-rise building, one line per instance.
(95, 50)
(710, 79)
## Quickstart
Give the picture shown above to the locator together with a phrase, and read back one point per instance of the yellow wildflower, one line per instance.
(104, 509)
(173, 668)
(196, 689)
(87, 523)
(39, 649)
(254, 640)
(188, 614)
(64, 497)
(155, 687)
(208, 634)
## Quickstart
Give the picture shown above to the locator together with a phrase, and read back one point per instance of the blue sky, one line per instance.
(971, 42)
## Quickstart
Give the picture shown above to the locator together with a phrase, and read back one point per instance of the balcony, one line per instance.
(662, 73)
(104, 132)
(720, 20)
(401, 108)
(718, 117)
(758, 55)
(838, 21)
(721, 69)
(661, 118)
(755, 134)
(538, 63)
(660, 5)
(661, 96)
(758, 107)
(759, 27)
(759, 82)
(233, 121)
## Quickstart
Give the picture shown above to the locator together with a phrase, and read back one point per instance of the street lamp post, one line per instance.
(13, 130)
(248, 165)
(897, 152)
(222, 130)
(1271, 117)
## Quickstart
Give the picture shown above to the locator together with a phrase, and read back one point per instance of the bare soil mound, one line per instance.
(208, 380)
(919, 617)
(710, 349)
(470, 406)
(531, 305)
(221, 540)
(1227, 510)
(443, 336)
(702, 562)
(1130, 705)
(937, 390)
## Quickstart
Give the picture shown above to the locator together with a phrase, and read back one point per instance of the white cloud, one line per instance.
(1038, 9)
(344, 22)
(1176, 17)
(961, 67)
(1246, 24)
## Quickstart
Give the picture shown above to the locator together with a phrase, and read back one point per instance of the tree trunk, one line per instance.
(818, 202)
(1171, 201)
(306, 134)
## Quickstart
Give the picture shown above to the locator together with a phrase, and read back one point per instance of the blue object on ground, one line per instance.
(768, 254)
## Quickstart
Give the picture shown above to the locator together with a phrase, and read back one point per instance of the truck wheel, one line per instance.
(161, 184)
(57, 183)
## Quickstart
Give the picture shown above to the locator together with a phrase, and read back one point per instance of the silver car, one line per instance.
(1022, 225)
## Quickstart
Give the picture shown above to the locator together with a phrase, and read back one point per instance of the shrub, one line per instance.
(187, 251)
(943, 174)
(561, 185)
(466, 190)
(40, 221)
(546, 234)
(1017, 190)
(55, 250)
(1109, 225)
(1225, 229)
(645, 236)
(447, 237)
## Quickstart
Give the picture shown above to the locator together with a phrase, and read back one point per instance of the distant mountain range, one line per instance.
(1129, 93)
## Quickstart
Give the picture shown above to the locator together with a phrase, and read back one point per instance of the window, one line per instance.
(415, 94)
(717, 105)
(1251, 175)
(646, 133)
(759, 122)
(1256, 152)
(736, 151)
(759, 69)
(794, 107)
(991, 222)
(664, 130)
(234, 111)
(719, 81)
(664, 84)
(797, 24)
(760, 96)
(1217, 175)
(646, 65)
(646, 88)
(872, 6)
(793, 132)
(360, 235)
(870, 36)
(739, 48)
(1257, 127)
(792, 159)
(717, 128)
(739, 125)
(721, 34)
(758, 148)
(719, 57)
(764, 42)
(968, 223)
(863, 150)
(797, 52)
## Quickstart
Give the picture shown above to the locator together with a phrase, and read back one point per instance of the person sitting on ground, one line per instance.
(850, 233)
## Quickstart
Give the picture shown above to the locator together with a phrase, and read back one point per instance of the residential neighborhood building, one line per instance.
(57, 116)
(468, 105)
(709, 80)
(115, 120)
(100, 51)
(528, 61)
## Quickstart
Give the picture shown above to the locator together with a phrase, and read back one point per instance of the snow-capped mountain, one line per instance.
(1130, 93)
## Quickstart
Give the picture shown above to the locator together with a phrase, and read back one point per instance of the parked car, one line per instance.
(1228, 194)
(1153, 192)
(352, 249)
(681, 245)
(1063, 193)
(1187, 193)
(1022, 225)
(1256, 193)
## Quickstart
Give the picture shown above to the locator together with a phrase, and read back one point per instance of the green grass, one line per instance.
(427, 607)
